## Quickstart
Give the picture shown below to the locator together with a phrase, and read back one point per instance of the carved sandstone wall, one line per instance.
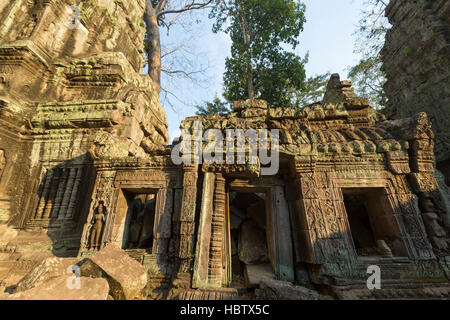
(416, 59)
(83, 138)
(325, 150)
(71, 89)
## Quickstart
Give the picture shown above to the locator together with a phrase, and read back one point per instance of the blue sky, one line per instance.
(327, 35)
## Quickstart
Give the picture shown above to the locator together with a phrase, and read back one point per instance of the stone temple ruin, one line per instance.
(85, 163)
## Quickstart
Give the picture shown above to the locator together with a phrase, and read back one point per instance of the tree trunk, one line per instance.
(154, 47)
(247, 41)
(251, 88)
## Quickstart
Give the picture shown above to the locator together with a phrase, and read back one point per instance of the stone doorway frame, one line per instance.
(278, 229)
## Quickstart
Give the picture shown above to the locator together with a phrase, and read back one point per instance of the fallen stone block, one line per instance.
(254, 274)
(126, 277)
(252, 244)
(61, 289)
(48, 269)
(270, 289)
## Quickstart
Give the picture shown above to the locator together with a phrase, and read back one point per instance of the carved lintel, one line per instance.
(235, 170)
(398, 162)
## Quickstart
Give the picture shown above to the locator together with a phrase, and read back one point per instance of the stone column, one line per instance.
(45, 189)
(73, 197)
(217, 234)
(431, 222)
(187, 223)
(163, 221)
(67, 193)
(4, 201)
(284, 260)
(321, 212)
(62, 184)
(307, 205)
(202, 251)
(51, 202)
(103, 192)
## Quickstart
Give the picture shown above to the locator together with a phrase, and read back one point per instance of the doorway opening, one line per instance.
(250, 258)
(374, 229)
(138, 233)
(360, 226)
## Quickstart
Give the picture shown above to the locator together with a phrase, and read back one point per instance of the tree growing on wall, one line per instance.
(164, 13)
(312, 92)
(216, 106)
(263, 33)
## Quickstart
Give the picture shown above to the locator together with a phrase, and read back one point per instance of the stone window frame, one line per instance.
(138, 191)
(112, 185)
(397, 211)
(156, 183)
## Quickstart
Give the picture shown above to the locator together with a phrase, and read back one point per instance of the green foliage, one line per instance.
(367, 77)
(260, 65)
(371, 29)
(312, 92)
(216, 106)
(267, 22)
(368, 81)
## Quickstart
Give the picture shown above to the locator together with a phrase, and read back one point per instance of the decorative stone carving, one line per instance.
(434, 225)
(97, 226)
(217, 233)
(88, 135)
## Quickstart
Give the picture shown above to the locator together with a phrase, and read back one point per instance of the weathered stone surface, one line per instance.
(58, 289)
(126, 277)
(82, 134)
(77, 94)
(48, 269)
(252, 244)
(254, 274)
(416, 60)
(392, 293)
(283, 290)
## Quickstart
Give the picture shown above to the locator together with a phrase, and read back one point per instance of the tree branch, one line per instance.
(188, 7)
(177, 48)
(186, 74)
(160, 6)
